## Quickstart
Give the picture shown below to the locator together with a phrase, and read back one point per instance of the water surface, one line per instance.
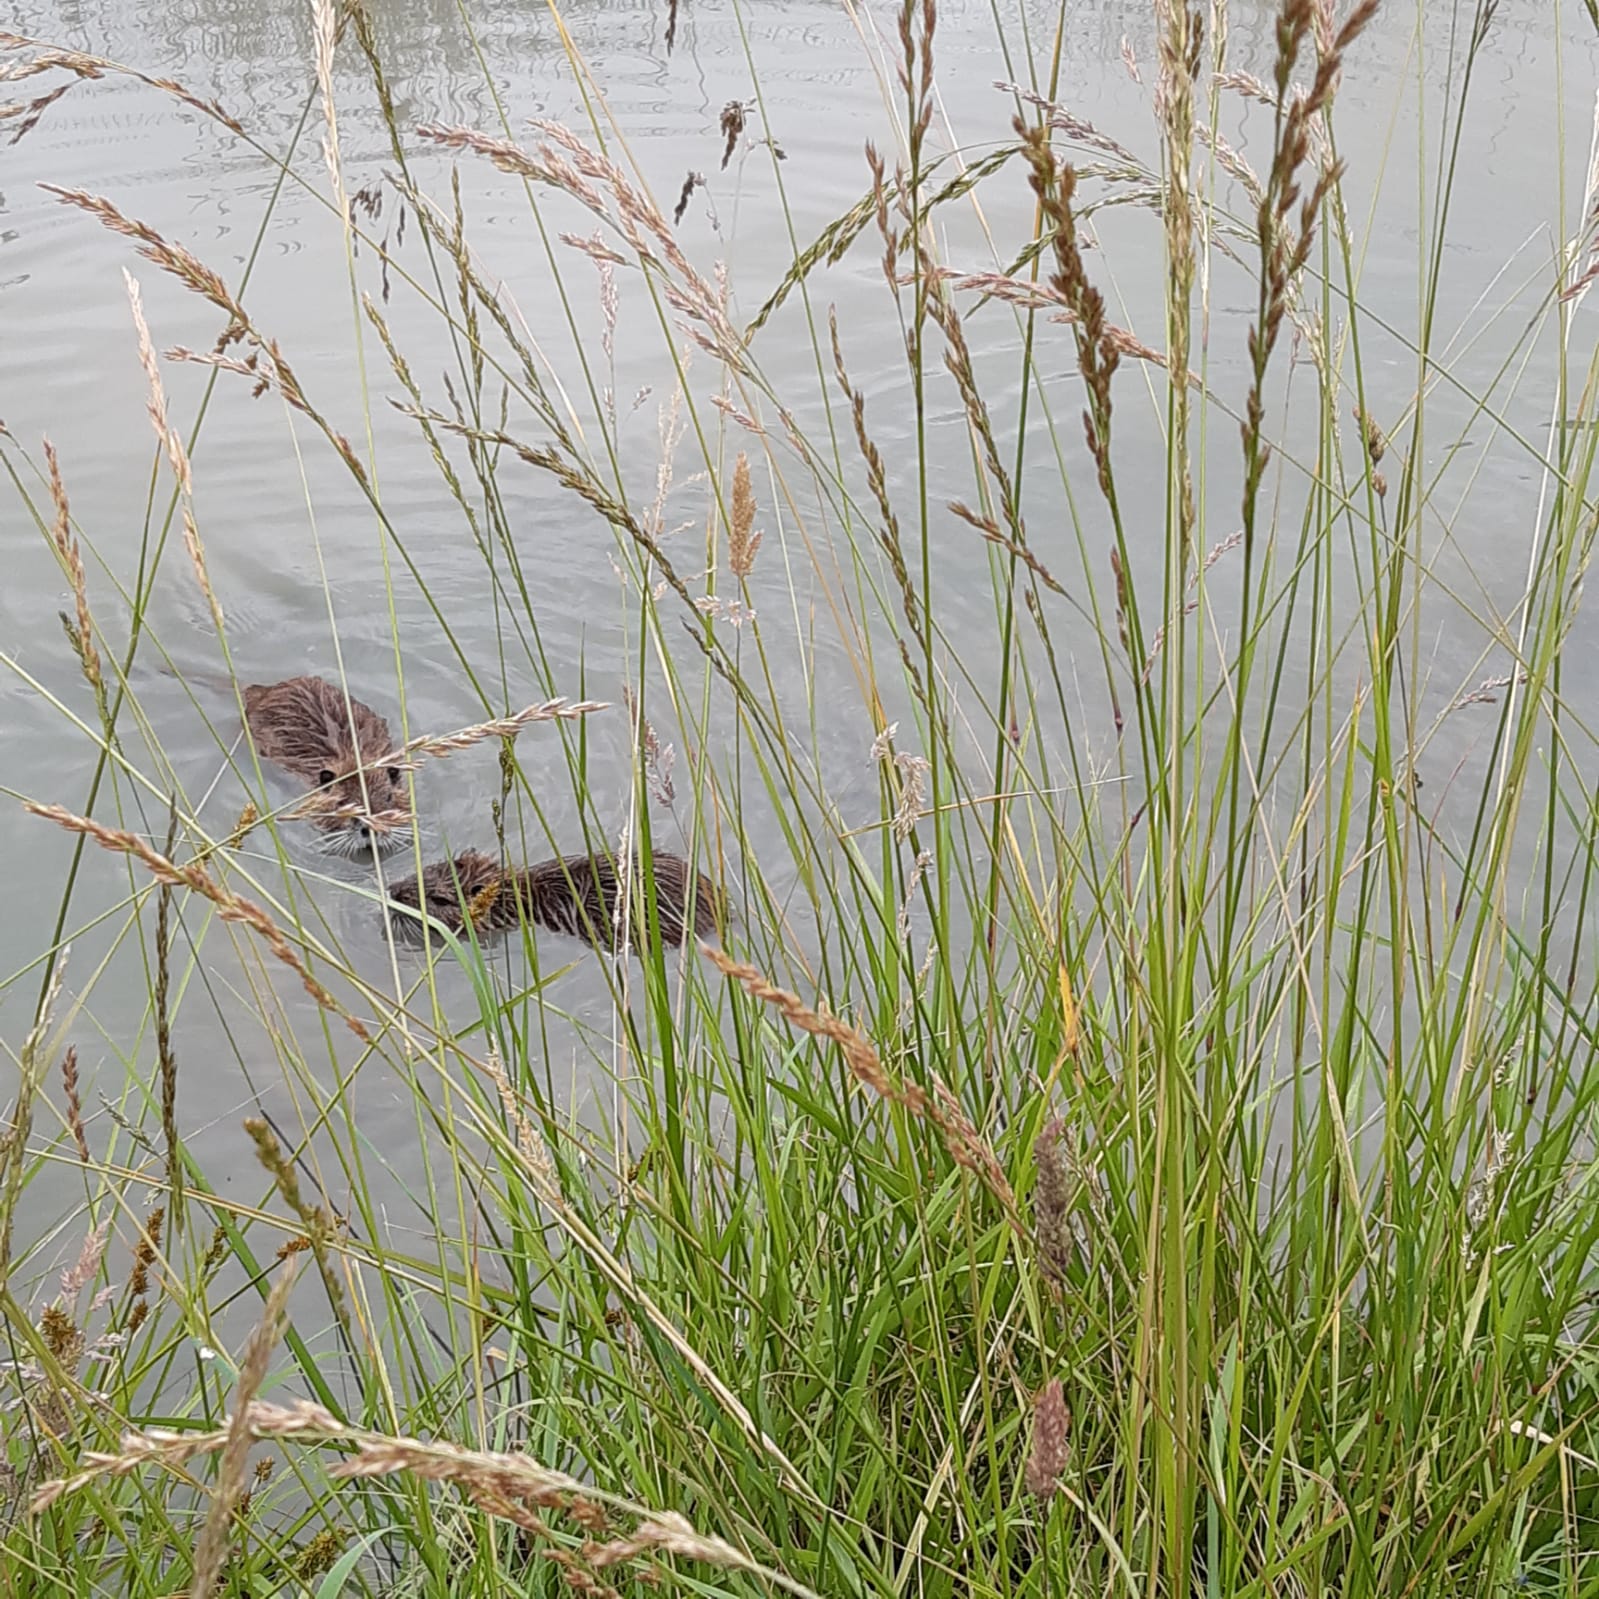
(296, 554)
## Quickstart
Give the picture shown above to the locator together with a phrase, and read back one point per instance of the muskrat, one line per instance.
(306, 726)
(579, 895)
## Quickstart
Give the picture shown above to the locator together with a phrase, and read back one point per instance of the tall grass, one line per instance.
(1149, 1153)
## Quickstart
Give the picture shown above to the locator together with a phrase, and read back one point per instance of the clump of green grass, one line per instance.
(1148, 1154)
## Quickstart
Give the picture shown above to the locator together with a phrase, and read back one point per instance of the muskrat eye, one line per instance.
(324, 777)
(394, 775)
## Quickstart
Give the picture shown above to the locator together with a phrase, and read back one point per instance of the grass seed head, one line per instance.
(1052, 1205)
(1046, 1460)
(743, 541)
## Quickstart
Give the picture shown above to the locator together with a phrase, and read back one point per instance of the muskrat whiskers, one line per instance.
(354, 844)
(349, 831)
(414, 929)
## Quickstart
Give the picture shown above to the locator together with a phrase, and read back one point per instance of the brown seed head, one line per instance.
(1047, 1458)
(69, 1085)
(743, 540)
(66, 543)
(734, 117)
(61, 1337)
(1052, 1205)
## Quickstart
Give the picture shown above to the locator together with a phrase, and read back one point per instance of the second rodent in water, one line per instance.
(579, 895)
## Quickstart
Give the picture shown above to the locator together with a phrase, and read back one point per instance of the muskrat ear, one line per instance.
(325, 776)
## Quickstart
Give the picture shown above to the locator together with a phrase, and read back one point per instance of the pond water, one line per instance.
(298, 559)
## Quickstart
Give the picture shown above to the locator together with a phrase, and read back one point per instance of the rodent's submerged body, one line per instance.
(582, 896)
(307, 726)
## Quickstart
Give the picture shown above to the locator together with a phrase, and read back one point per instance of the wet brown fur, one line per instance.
(575, 894)
(304, 725)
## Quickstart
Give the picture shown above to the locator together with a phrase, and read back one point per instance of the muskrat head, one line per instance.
(342, 750)
(446, 893)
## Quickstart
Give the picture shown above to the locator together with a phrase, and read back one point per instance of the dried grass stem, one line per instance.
(230, 906)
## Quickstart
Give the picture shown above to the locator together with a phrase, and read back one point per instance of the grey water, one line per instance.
(298, 561)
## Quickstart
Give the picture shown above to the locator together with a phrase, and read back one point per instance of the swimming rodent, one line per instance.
(579, 895)
(305, 725)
